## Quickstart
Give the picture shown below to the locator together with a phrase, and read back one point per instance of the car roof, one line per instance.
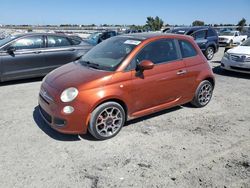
(191, 29)
(34, 34)
(144, 36)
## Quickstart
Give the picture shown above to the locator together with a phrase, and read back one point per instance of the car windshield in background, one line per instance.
(94, 36)
(178, 31)
(246, 43)
(6, 40)
(109, 54)
(227, 33)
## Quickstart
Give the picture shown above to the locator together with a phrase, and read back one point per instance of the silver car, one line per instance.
(238, 58)
(36, 54)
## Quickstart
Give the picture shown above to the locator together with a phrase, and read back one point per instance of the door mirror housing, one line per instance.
(11, 49)
(146, 65)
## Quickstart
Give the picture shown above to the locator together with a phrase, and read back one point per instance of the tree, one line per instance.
(198, 23)
(241, 24)
(154, 23)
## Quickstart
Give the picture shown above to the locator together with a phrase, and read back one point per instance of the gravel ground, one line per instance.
(180, 147)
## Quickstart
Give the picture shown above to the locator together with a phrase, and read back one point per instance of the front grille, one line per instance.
(45, 96)
(46, 116)
(240, 68)
(44, 99)
(240, 58)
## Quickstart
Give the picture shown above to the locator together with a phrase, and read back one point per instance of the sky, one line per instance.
(173, 12)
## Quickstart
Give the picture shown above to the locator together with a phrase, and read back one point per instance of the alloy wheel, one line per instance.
(205, 94)
(109, 121)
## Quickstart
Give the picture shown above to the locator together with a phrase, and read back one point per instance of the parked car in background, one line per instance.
(205, 37)
(36, 54)
(238, 58)
(3, 35)
(231, 37)
(97, 37)
(122, 78)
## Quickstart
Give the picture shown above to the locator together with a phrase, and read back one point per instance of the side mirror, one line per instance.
(11, 50)
(146, 65)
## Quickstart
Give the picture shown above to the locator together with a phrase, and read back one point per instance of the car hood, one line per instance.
(240, 50)
(76, 75)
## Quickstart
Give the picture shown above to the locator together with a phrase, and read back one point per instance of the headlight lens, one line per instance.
(69, 94)
(226, 55)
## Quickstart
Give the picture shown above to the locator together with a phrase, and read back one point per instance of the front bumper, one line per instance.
(223, 43)
(231, 65)
(51, 112)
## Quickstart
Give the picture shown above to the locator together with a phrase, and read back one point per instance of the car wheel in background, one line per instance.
(209, 53)
(106, 120)
(203, 94)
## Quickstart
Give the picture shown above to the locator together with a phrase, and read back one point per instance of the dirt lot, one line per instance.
(180, 147)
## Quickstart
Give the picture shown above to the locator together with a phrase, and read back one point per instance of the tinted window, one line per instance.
(158, 52)
(211, 33)
(187, 49)
(57, 41)
(75, 40)
(200, 34)
(28, 43)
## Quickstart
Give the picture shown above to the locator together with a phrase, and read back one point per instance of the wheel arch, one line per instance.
(119, 101)
(210, 79)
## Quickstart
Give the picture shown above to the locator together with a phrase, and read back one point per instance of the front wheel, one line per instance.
(203, 94)
(209, 53)
(106, 120)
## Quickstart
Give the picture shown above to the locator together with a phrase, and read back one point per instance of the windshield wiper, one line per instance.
(91, 64)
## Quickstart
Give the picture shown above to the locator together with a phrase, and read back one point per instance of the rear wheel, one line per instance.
(107, 120)
(203, 94)
(209, 53)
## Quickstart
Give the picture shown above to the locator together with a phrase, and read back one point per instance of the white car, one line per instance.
(238, 58)
(231, 37)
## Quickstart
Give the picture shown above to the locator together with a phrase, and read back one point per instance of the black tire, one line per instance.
(202, 99)
(209, 53)
(105, 130)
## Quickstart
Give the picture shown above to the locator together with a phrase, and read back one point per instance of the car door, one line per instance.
(23, 58)
(59, 51)
(200, 38)
(164, 83)
(193, 64)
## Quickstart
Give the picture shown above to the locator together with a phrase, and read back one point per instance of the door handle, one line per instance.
(180, 72)
(37, 52)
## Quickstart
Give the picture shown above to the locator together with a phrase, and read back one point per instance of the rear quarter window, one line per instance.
(187, 49)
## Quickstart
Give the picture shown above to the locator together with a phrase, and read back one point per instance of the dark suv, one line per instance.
(205, 37)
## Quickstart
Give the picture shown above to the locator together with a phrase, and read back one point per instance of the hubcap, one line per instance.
(210, 53)
(109, 121)
(205, 94)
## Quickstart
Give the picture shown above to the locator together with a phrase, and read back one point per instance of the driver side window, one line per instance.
(28, 43)
(161, 51)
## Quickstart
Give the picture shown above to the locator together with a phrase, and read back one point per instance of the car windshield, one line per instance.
(109, 54)
(178, 31)
(246, 43)
(6, 40)
(94, 35)
(227, 33)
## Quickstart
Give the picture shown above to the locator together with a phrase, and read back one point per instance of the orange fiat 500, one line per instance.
(122, 78)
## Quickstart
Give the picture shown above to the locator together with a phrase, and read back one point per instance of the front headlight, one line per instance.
(69, 94)
(226, 55)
